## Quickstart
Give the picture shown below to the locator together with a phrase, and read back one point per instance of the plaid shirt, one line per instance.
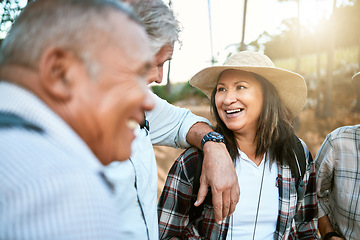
(338, 169)
(296, 219)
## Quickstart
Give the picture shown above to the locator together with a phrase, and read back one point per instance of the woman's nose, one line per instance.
(230, 97)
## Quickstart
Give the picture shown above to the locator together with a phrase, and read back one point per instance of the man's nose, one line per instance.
(159, 75)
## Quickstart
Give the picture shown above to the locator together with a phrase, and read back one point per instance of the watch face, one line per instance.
(212, 136)
(217, 136)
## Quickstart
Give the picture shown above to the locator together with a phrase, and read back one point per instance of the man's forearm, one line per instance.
(197, 132)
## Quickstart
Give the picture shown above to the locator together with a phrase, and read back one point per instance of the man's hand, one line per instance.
(219, 173)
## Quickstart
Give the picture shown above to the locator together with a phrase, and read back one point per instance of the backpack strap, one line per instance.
(8, 120)
(301, 163)
(195, 212)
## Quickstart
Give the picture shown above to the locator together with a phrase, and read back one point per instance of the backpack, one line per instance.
(195, 212)
(11, 120)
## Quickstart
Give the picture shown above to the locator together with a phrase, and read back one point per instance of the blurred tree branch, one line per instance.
(10, 10)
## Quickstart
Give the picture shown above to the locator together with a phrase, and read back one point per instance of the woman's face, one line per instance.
(239, 101)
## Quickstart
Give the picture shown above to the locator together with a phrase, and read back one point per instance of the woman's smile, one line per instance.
(239, 100)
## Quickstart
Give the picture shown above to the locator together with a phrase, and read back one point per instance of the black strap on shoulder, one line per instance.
(12, 120)
(301, 160)
(300, 154)
(199, 162)
(195, 212)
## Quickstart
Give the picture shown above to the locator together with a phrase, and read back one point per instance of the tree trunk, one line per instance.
(242, 44)
(330, 67)
(298, 39)
(327, 112)
(168, 83)
(356, 108)
(319, 95)
(359, 52)
(210, 31)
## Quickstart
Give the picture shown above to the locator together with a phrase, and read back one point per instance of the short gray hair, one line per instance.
(74, 25)
(159, 22)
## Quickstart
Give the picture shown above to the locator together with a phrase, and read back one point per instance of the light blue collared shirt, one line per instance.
(137, 189)
(51, 184)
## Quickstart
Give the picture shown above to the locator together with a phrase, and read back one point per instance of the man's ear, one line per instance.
(53, 68)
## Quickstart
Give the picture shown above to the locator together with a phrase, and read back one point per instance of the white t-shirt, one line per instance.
(242, 222)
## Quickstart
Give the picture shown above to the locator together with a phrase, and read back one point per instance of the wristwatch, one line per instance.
(212, 136)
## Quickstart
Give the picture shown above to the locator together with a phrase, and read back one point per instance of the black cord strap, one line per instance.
(331, 234)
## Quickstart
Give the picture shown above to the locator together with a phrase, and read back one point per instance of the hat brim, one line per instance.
(290, 86)
(356, 76)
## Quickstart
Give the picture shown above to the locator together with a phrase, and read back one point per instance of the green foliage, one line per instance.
(179, 91)
(10, 10)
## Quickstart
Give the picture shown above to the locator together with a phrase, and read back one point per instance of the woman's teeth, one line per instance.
(233, 111)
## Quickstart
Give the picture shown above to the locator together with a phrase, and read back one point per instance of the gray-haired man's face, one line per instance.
(163, 55)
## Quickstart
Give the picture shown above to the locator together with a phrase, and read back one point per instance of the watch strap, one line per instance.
(212, 136)
(331, 234)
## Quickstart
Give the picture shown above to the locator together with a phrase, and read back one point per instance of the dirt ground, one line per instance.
(310, 129)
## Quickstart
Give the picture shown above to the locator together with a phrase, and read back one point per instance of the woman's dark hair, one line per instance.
(274, 134)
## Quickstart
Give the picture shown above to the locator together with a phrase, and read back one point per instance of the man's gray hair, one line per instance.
(79, 26)
(159, 21)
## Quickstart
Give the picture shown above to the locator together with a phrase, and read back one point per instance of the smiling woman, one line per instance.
(239, 101)
(254, 104)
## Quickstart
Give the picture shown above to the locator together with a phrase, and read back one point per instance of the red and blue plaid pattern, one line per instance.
(296, 219)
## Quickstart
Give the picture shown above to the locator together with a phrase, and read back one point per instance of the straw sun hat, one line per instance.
(356, 76)
(290, 86)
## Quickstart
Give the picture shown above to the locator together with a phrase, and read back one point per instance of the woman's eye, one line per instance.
(221, 89)
(240, 87)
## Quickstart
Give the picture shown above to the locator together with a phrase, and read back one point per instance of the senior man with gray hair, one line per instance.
(168, 126)
(68, 101)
